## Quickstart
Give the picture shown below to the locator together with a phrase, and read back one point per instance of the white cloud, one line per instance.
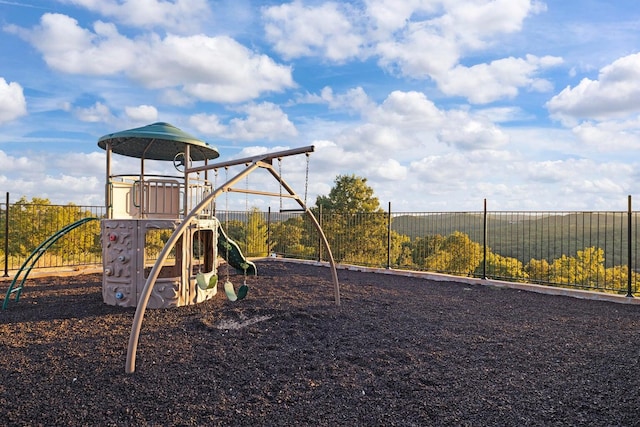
(80, 177)
(142, 113)
(420, 51)
(217, 69)
(471, 133)
(473, 23)
(610, 135)
(177, 15)
(263, 121)
(12, 101)
(81, 164)
(208, 124)
(614, 94)
(355, 99)
(98, 112)
(434, 35)
(408, 110)
(67, 47)
(391, 169)
(388, 16)
(502, 78)
(297, 30)
(10, 163)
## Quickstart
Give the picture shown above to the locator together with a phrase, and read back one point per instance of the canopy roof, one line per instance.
(157, 141)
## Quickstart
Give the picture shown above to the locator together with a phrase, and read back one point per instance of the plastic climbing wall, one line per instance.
(131, 247)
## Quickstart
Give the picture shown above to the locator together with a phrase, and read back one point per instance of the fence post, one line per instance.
(269, 232)
(629, 254)
(320, 237)
(389, 238)
(484, 241)
(6, 237)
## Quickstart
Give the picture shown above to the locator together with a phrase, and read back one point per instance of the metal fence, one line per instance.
(25, 226)
(585, 250)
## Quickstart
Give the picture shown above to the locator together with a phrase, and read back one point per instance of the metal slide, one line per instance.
(230, 251)
(31, 261)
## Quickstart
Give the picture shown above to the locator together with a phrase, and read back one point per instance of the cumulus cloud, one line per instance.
(176, 15)
(263, 121)
(96, 113)
(297, 30)
(67, 47)
(217, 69)
(502, 78)
(79, 177)
(355, 99)
(417, 39)
(208, 124)
(142, 113)
(471, 133)
(12, 101)
(9, 163)
(610, 135)
(614, 94)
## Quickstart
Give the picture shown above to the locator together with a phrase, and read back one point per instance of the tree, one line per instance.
(424, 247)
(586, 269)
(350, 194)
(538, 270)
(294, 237)
(355, 224)
(502, 267)
(256, 235)
(457, 254)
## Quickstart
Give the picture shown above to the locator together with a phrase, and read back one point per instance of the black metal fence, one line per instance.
(585, 250)
(24, 226)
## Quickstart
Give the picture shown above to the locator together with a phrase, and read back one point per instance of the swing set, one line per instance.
(204, 281)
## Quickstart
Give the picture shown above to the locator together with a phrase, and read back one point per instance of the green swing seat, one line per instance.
(207, 281)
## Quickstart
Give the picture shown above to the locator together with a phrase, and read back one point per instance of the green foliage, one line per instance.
(32, 222)
(355, 224)
(256, 235)
(350, 194)
(295, 236)
(456, 254)
(498, 266)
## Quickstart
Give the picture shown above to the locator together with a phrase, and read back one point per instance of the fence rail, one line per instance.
(585, 250)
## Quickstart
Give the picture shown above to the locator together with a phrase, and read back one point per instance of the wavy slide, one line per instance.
(230, 251)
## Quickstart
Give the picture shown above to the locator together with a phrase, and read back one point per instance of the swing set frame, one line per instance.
(264, 161)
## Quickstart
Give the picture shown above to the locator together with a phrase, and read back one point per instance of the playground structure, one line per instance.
(146, 212)
(140, 205)
(143, 209)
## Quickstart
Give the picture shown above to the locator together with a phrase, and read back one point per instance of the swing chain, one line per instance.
(306, 181)
(280, 179)
(226, 220)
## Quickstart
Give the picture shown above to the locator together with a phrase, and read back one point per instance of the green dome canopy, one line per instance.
(157, 141)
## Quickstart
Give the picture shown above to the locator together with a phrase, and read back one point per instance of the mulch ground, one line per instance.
(399, 352)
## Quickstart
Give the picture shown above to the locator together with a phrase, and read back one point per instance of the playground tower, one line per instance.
(144, 209)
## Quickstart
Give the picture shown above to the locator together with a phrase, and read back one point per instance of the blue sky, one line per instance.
(439, 104)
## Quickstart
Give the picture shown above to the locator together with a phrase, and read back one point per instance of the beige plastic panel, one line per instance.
(126, 269)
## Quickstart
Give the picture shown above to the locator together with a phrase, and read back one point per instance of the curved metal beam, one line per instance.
(162, 257)
(179, 231)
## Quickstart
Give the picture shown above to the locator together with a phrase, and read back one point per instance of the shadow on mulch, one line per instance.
(399, 351)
